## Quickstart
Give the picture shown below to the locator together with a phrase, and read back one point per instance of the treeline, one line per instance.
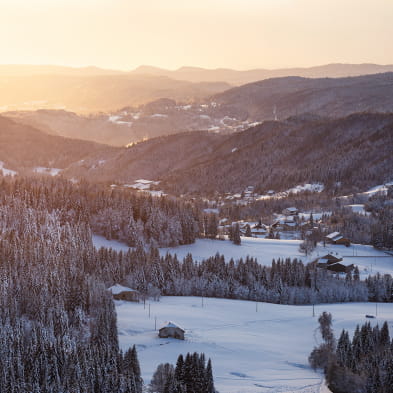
(363, 364)
(285, 282)
(191, 375)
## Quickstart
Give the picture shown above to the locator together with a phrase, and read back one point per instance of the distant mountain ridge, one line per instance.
(91, 93)
(237, 77)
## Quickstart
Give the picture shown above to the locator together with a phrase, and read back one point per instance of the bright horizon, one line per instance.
(237, 34)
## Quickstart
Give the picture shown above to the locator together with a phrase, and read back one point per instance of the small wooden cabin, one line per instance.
(121, 292)
(171, 329)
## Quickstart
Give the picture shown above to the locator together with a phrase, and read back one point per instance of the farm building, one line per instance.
(340, 268)
(290, 211)
(328, 259)
(332, 263)
(259, 229)
(120, 292)
(337, 238)
(171, 329)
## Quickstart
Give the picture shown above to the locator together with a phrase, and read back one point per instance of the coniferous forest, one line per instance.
(58, 323)
(363, 363)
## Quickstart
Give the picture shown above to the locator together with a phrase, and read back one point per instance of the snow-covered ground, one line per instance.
(358, 208)
(368, 259)
(100, 241)
(382, 188)
(47, 171)
(7, 172)
(262, 249)
(311, 187)
(255, 348)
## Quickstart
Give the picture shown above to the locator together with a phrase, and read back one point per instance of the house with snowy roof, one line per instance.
(337, 238)
(171, 329)
(333, 263)
(327, 259)
(121, 292)
(290, 211)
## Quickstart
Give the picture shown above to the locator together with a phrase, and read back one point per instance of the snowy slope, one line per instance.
(254, 348)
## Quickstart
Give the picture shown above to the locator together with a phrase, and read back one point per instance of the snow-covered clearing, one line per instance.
(100, 241)
(254, 348)
(368, 259)
(262, 249)
(7, 172)
(310, 187)
(358, 208)
(382, 188)
(316, 216)
(116, 120)
(47, 171)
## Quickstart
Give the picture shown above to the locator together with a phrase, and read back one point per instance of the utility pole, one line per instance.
(155, 323)
(149, 310)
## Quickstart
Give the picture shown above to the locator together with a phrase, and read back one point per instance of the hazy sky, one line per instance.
(238, 34)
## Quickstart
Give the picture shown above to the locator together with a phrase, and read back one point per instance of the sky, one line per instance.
(240, 34)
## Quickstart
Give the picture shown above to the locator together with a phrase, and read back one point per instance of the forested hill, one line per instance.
(333, 97)
(23, 147)
(354, 150)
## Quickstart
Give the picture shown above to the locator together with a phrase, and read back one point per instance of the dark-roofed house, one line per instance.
(332, 263)
(171, 329)
(327, 259)
(121, 292)
(337, 238)
(340, 268)
(259, 229)
(290, 211)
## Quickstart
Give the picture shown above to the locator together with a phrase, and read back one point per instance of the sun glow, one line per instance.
(243, 34)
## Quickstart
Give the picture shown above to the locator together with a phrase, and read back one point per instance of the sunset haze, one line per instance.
(245, 34)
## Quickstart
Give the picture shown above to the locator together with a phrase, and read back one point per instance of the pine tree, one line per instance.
(236, 235)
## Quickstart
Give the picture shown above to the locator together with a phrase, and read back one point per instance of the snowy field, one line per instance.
(368, 259)
(254, 348)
